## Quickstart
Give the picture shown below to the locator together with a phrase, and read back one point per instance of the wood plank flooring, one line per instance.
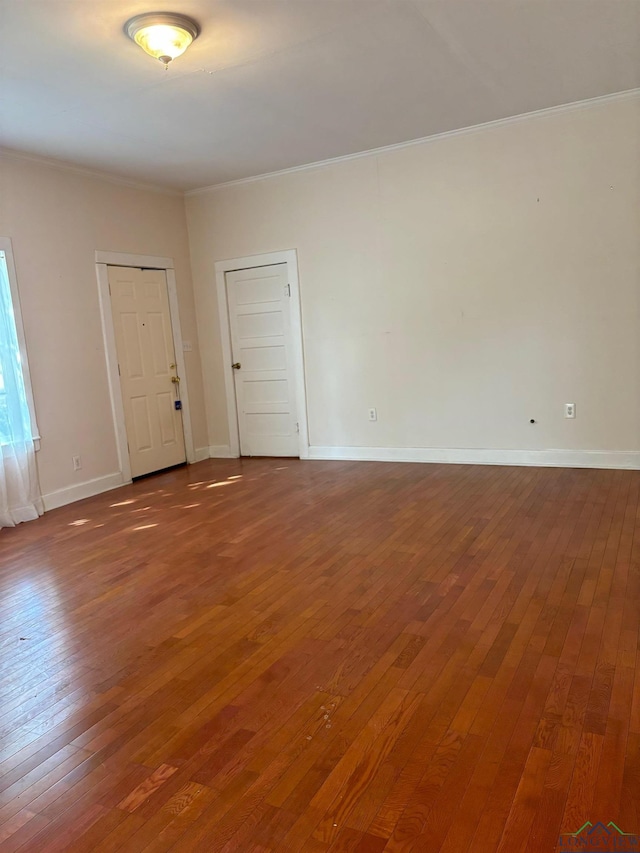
(275, 655)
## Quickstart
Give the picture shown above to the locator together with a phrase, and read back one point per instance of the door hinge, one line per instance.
(287, 290)
(297, 427)
(119, 374)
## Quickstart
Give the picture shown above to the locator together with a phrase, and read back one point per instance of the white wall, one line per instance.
(57, 219)
(462, 286)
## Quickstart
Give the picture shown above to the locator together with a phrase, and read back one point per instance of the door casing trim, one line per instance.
(122, 259)
(290, 258)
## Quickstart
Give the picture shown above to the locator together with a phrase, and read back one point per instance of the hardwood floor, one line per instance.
(272, 655)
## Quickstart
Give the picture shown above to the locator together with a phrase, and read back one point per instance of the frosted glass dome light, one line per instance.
(163, 35)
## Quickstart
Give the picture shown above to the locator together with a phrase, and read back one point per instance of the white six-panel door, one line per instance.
(146, 361)
(261, 345)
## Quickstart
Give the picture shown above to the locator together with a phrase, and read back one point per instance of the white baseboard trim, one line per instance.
(79, 491)
(617, 459)
(479, 456)
(220, 451)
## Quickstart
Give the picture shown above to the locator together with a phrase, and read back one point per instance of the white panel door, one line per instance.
(146, 360)
(260, 326)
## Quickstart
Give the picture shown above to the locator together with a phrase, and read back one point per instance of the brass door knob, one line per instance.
(175, 379)
(236, 365)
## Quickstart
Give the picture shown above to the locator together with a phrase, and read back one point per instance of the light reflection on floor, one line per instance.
(34, 616)
(201, 484)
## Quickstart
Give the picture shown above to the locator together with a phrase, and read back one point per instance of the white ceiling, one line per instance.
(272, 84)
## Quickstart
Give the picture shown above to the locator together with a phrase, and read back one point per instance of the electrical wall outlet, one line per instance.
(77, 463)
(373, 414)
(569, 410)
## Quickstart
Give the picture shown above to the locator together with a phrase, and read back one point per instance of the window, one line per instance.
(17, 417)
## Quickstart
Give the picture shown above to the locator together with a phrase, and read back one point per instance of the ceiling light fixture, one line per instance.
(163, 35)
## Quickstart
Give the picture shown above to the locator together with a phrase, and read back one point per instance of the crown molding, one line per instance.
(109, 177)
(64, 166)
(435, 137)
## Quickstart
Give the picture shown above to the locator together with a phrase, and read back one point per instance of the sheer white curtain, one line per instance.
(20, 498)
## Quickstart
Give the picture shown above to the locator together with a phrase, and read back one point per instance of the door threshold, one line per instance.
(159, 471)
